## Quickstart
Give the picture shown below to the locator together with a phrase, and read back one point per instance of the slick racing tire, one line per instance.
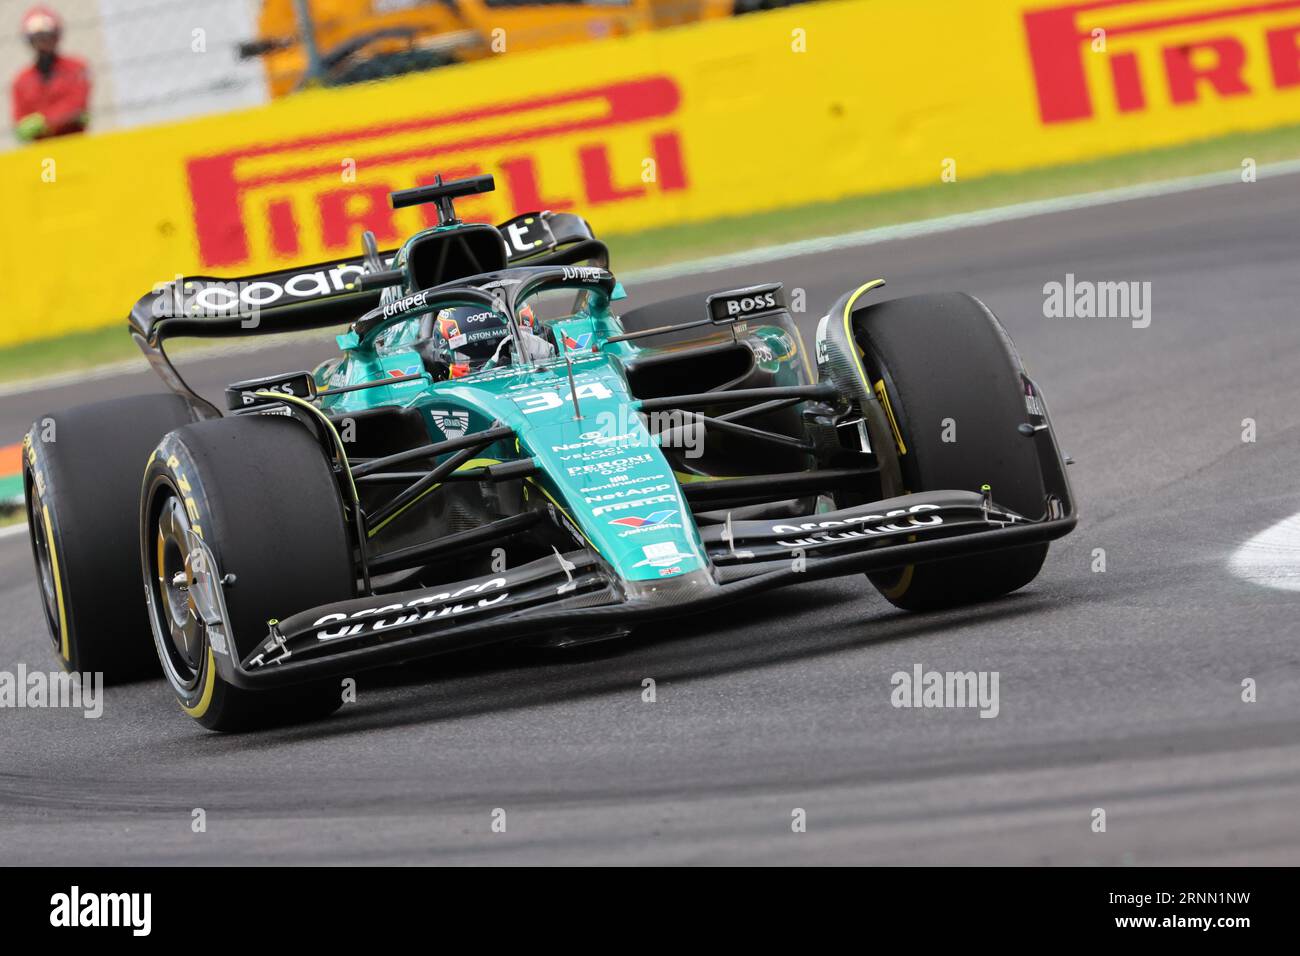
(81, 483)
(241, 523)
(948, 369)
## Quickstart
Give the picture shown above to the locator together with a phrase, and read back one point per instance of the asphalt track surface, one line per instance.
(1118, 690)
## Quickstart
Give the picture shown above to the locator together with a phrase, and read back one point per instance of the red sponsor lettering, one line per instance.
(218, 184)
(1223, 74)
(1128, 82)
(599, 176)
(667, 149)
(1284, 56)
(345, 213)
(522, 181)
(284, 228)
(1192, 70)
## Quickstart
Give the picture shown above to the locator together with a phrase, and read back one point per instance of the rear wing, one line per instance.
(327, 293)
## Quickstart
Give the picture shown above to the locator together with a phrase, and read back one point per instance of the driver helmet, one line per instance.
(470, 335)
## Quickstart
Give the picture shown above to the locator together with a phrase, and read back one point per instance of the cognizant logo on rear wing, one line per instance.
(208, 298)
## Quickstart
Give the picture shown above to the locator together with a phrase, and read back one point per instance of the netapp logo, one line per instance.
(75, 909)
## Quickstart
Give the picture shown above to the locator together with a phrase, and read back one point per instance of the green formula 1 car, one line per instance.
(500, 453)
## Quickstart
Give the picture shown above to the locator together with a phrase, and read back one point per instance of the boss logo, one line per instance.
(740, 303)
(245, 394)
(751, 304)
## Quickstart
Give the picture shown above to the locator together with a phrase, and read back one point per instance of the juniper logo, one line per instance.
(77, 909)
(922, 688)
(21, 689)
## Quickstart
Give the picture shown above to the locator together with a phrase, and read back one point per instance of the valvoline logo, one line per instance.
(403, 372)
(650, 520)
(581, 342)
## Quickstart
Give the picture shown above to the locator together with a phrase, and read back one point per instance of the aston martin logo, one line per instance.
(452, 424)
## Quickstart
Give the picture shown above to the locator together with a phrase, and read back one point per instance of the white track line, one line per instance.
(13, 529)
(962, 220)
(785, 250)
(1272, 557)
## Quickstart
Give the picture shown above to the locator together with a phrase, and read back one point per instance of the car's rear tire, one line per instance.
(259, 493)
(948, 370)
(81, 478)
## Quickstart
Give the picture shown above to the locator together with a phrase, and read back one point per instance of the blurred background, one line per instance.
(149, 138)
(141, 52)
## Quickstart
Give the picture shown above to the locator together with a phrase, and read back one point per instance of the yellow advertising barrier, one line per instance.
(808, 104)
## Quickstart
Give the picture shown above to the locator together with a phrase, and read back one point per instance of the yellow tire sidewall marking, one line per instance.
(848, 325)
(58, 581)
(879, 389)
(904, 581)
(905, 576)
(209, 685)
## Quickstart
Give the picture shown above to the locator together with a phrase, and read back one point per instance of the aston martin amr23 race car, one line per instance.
(502, 453)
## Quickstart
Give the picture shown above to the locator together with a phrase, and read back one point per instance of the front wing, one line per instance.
(576, 593)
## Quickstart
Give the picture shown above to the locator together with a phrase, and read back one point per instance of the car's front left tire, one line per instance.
(247, 507)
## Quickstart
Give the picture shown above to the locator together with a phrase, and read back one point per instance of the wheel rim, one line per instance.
(172, 577)
(44, 565)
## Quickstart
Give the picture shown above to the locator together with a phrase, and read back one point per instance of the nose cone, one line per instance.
(618, 488)
(601, 468)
